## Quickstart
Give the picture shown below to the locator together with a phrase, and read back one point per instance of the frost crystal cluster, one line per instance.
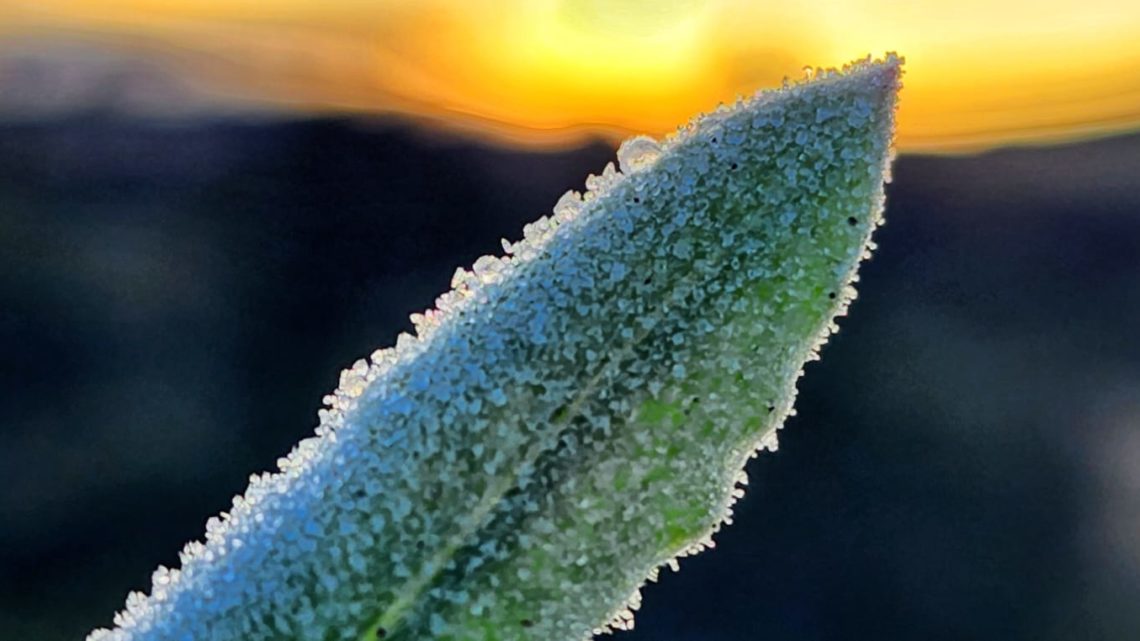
(572, 415)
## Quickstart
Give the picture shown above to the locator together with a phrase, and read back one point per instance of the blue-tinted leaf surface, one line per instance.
(572, 415)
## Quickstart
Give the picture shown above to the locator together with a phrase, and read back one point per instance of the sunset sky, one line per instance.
(979, 73)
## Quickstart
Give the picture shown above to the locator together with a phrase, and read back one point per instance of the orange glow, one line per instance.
(979, 73)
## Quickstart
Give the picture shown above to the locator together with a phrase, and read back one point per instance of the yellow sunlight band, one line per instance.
(979, 73)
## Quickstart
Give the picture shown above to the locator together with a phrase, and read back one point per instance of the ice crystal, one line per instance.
(570, 416)
(637, 153)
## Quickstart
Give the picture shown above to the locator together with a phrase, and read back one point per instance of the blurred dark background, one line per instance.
(175, 299)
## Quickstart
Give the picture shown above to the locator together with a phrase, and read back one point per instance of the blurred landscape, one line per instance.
(176, 296)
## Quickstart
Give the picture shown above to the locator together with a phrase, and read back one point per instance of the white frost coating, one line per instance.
(570, 416)
(637, 153)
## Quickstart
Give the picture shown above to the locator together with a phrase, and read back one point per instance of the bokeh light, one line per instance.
(979, 74)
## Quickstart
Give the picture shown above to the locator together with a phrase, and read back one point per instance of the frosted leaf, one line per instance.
(570, 418)
(770, 441)
(637, 153)
(598, 185)
(568, 206)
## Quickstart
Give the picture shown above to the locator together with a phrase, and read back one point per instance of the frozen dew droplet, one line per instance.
(568, 205)
(637, 153)
(770, 441)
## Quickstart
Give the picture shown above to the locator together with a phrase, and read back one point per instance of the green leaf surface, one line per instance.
(572, 415)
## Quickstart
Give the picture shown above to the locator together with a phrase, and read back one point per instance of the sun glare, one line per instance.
(979, 73)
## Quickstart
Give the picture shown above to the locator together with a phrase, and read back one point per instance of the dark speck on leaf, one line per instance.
(526, 623)
(381, 633)
(851, 220)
